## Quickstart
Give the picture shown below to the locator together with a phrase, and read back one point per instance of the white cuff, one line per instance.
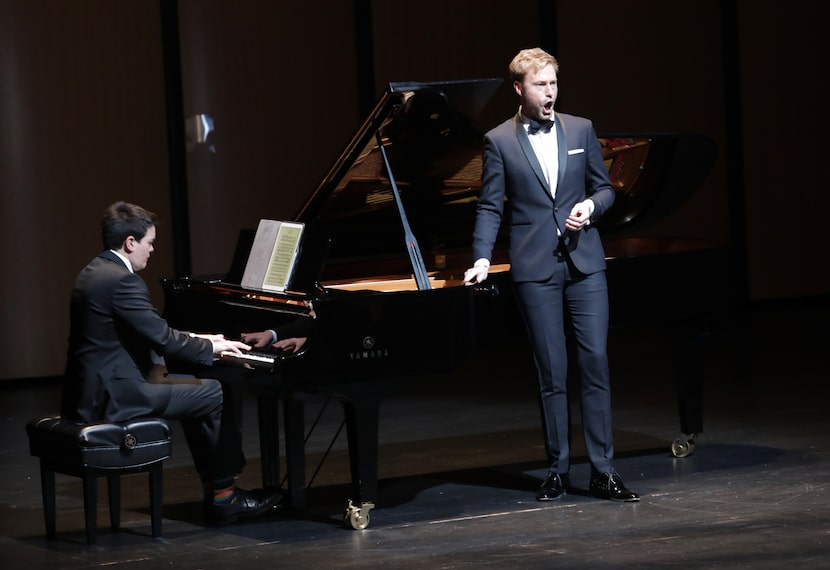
(590, 205)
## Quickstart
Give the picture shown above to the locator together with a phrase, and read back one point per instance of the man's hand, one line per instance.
(580, 216)
(208, 336)
(476, 274)
(229, 346)
(258, 339)
(221, 344)
(293, 344)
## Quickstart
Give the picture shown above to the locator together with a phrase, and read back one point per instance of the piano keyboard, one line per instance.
(252, 358)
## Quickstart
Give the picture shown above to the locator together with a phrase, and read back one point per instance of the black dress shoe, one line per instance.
(552, 488)
(242, 504)
(610, 486)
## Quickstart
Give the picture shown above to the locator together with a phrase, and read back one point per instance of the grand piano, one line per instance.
(387, 239)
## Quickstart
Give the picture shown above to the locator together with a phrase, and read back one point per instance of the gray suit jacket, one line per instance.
(511, 170)
(114, 331)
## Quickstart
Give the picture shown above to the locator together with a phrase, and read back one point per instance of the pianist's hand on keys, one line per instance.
(222, 345)
(258, 339)
(264, 339)
(249, 359)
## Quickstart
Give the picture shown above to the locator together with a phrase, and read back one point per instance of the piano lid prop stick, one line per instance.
(418, 267)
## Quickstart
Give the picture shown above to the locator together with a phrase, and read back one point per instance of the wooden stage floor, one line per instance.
(461, 456)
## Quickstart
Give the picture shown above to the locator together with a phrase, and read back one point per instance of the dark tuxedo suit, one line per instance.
(115, 332)
(554, 278)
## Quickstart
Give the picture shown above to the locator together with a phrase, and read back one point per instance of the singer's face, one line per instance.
(537, 93)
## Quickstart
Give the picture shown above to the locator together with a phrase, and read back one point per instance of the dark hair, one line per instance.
(122, 220)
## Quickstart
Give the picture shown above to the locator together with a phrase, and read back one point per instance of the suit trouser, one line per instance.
(208, 422)
(545, 307)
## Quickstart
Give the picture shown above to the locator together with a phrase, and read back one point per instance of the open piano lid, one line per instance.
(432, 135)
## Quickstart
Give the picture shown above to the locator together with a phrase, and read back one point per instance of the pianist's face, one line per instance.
(537, 93)
(138, 251)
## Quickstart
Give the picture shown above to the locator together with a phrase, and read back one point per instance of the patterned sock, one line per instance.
(223, 490)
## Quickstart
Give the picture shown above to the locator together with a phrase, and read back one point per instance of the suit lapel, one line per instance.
(524, 142)
(562, 147)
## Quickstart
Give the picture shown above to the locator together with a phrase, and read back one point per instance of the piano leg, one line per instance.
(362, 409)
(689, 373)
(295, 450)
(269, 438)
(269, 445)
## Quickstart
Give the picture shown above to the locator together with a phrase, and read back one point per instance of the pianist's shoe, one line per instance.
(242, 504)
(611, 487)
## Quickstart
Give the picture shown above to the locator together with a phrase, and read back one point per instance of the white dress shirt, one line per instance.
(546, 148)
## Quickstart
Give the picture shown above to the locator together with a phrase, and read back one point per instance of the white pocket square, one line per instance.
(576, 151)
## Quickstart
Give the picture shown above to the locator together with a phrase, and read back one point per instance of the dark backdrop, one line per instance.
(84, 110)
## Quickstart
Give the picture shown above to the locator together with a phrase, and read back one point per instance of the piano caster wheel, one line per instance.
(358, 517)
(684, 445)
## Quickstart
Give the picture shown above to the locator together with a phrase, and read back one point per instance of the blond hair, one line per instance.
(530, 60)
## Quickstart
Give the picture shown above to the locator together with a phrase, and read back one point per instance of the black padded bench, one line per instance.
(90, 451)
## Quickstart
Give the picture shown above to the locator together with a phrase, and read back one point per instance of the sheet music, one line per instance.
(282, 257)
(273, 255)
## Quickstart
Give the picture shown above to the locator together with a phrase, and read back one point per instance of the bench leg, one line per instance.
(47, 489)
(156, 486)
(114, 495)
(90, 506)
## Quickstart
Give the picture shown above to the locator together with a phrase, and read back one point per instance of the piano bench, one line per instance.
(106, 450)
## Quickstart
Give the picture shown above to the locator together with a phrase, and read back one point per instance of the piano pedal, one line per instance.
(358, 517)
(684, 445)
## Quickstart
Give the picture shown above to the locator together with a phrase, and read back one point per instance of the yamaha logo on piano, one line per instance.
(369, 350)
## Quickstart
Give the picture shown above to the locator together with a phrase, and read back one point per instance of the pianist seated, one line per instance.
(118, 339)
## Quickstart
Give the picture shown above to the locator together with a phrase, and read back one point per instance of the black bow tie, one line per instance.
(536, 126)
